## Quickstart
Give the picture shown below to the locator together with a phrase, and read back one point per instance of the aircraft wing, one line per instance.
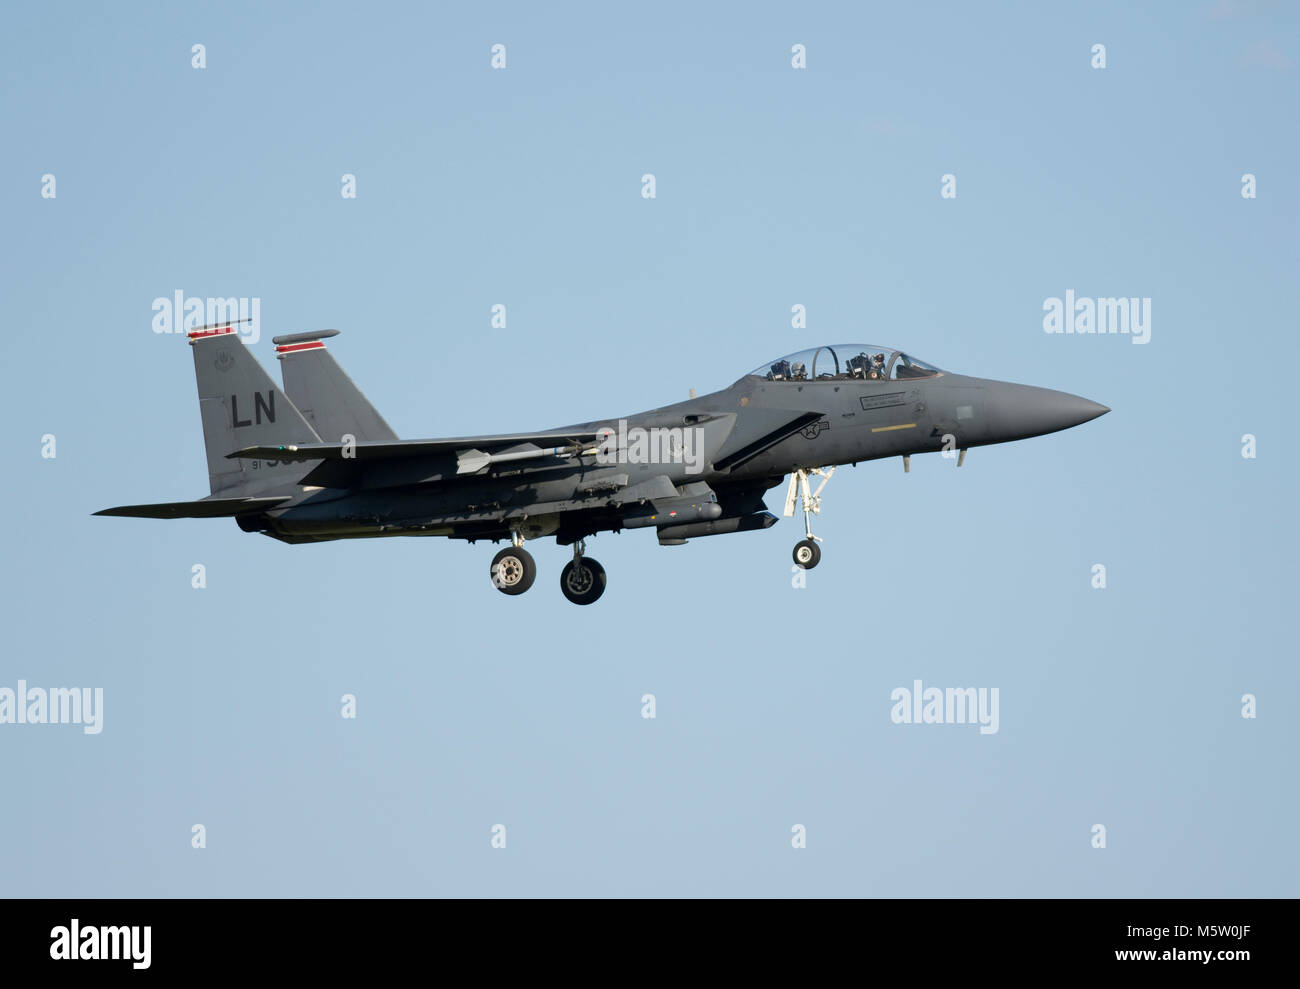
(398, 449)
(207, 508)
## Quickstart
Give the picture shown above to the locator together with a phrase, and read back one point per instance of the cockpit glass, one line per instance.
(907, 366)
(846, 362)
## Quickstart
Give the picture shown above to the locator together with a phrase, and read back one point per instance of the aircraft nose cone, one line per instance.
(1020, 411)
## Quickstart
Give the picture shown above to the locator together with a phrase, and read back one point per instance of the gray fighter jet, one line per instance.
(316, 462)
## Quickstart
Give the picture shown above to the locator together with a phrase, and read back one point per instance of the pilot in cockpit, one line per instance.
(798, 372)
(867, 366)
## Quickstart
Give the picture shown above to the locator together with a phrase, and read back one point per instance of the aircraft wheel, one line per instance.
(582, 581)
(807, 554)
(513, 570)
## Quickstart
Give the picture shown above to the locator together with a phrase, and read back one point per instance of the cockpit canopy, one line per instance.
(846, 361)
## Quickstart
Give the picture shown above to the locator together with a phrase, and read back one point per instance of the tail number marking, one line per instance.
(262, 406)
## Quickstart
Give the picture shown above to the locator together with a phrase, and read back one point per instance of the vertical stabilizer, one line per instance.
(322, 390)
(242, 407)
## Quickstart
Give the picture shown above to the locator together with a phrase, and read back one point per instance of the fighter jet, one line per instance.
(315, 461)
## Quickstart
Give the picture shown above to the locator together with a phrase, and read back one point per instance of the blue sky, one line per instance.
(774, 187)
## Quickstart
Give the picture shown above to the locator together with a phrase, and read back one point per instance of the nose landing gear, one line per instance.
(807, 554)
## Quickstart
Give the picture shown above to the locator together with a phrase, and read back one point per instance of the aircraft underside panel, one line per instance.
(654, 504)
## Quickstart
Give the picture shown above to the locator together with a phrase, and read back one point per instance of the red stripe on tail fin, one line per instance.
(285, 349)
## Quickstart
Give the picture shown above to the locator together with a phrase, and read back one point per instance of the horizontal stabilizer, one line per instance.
(396, 449)
(210, 508)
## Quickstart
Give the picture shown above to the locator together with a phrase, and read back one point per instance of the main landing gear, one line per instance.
(807, 554)
(513, 569)
(582, 580)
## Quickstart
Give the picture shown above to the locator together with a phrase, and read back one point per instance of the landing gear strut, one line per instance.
(807, 554)
(513, 569)
(582, 580)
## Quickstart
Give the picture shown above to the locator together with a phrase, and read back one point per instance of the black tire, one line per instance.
(584, 583)
(807, 554)
(513, 570)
